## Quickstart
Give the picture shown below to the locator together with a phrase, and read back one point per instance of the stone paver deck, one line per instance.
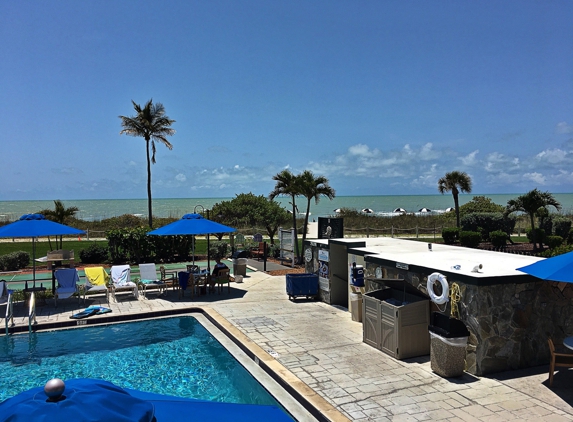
(322, 346)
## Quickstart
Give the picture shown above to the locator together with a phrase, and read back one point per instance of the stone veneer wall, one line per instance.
(509, 323)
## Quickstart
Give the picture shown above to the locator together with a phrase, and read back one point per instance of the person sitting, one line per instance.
(218, 267)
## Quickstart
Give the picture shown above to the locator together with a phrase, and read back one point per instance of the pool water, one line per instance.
(173, 356)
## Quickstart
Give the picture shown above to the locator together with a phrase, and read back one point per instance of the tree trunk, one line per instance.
(149, 211)
(295, 240)
(457, 207)
(305, 228)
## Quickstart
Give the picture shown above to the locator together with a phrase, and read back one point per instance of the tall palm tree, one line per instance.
(151, 123)
(530, 203)
(287, 185)
(313, 187)
(59, 214)
(455, 182)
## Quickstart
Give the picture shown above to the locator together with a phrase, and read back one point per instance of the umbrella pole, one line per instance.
(193, 244)
(34, 262)
(208, 256)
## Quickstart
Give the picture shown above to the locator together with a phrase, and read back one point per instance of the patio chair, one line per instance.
(67, 279)
(187, 279)
(97, 280)
(121, 281)
(222, 278)
(564, 360)
(168, 277)
(191, 268)
(148, 279)
(259, 252)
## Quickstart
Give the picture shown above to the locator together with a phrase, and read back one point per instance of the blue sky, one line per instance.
(381, 97)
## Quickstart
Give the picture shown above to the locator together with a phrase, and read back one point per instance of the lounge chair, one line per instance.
(148, 279)
(259, 252)
(191, 268)
(97, 280)
(222, 278)
(67, 284)
(4, 292)
(564, 360)
(121, 281)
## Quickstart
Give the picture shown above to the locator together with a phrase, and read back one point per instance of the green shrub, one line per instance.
(470, 239)
(94, 254)
(487, 222)
(561, 226)
(498, 238)
(554, 241)
(560, 250)
(218, 249)
(570, 237)
(536, 235)
(14, 261)
(450, 235)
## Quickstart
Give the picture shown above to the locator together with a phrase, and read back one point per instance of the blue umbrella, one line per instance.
(85, 399)
(34, 226)
(192, 224)
(558, 268)
(81, 400)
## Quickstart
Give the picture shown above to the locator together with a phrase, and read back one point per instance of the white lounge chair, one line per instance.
(97, 280)
(121, 281)
(4, 292)
(148, 279)
(67, 279)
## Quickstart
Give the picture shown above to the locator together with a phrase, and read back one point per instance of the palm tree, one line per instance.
(151, 123)
(287, 185)
(455, 182)
(530, 203)
(59, 214)
(312, 187)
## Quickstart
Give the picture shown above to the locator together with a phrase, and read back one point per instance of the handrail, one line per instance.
(9, 311)
(32, 311)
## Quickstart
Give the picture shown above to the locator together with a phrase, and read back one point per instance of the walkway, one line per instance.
(323, 347)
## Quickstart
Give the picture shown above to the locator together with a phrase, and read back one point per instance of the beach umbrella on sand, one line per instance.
(34, 226)
(192, 225)
(400, 210)
(367, 210)
(424, 210)
(558, 268)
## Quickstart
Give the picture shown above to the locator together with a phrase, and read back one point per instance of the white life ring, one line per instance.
(443, 298)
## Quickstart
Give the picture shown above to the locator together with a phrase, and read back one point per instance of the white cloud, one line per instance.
(553, 156)
(536, 178)
(563, 128)
(180, 177)
(470, 159)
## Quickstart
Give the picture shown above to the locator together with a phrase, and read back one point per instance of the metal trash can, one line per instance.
(240, 266)
(448, 342)
(240, 254)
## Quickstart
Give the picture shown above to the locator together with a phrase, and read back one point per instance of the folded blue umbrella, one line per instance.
(89, 311)
(82, 400)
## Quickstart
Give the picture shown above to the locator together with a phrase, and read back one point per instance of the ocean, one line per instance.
(383, 205)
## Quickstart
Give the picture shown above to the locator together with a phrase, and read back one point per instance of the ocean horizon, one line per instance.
(383, 205)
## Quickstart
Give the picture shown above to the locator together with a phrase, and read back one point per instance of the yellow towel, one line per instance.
(97, 276)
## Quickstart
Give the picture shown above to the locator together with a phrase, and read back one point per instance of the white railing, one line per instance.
(9, 312)
(32, 312)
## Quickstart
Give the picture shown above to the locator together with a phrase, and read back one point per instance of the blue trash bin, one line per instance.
(302, 285)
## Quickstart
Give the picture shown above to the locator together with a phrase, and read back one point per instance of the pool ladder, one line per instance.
(9, 312)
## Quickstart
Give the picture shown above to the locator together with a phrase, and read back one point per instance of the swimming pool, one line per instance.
(173, 356)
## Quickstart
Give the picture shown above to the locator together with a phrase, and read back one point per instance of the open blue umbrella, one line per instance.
(558, 268)
(193, 224)
(34, 226)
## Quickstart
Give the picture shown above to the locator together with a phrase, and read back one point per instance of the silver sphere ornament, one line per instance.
(54, 388)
